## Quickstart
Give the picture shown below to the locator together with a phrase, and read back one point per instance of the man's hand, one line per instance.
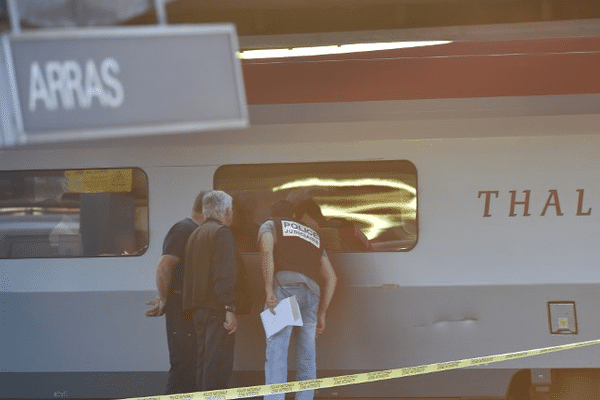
(271, 301)
(321, 321)
(158, 308)
(330, 279)
(230, 322)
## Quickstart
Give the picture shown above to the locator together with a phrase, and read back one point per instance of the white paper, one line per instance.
(287, 312)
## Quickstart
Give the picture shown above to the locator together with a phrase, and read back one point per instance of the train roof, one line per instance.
(536, 69)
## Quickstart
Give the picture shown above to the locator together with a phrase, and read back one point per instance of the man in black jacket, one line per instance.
(209, 280)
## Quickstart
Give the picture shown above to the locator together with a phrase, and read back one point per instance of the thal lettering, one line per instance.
(520, 203)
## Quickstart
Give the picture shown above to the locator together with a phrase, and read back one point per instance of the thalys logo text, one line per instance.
(520, 203)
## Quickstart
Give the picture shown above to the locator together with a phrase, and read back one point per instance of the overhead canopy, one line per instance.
(71, 13)
(279, 17)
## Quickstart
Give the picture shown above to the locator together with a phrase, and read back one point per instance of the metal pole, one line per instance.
(8, 136)
(15, 19)
(161, 12)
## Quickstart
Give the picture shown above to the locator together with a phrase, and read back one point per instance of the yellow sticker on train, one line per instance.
(117, 180)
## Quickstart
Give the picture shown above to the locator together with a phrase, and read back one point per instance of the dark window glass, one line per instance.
(355, 206)
(73, 213)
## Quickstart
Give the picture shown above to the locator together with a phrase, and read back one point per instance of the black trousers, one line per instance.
(181, 339)
(215, 350)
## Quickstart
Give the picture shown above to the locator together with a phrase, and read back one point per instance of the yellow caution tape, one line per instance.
(261, 390)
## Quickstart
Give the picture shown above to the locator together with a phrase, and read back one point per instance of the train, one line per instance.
(460, 183)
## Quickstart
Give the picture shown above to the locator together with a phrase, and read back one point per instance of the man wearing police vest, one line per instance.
(293, 264)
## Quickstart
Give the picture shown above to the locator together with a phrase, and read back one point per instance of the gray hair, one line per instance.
(215, 204)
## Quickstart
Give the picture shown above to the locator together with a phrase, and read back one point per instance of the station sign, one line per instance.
(115, 82)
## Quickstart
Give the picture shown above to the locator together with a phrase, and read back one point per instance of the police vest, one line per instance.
(298, 248)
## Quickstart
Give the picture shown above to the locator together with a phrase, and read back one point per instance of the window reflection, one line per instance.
(355, 206)
(73, 213)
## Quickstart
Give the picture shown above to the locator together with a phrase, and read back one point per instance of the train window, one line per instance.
(73, 213)
(355, 206)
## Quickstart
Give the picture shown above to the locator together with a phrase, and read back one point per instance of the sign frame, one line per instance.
(21, 135)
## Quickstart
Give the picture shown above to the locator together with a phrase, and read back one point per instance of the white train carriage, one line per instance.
(460, 185)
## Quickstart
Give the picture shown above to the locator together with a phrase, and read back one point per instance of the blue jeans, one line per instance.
(276, 366)
(215, 350)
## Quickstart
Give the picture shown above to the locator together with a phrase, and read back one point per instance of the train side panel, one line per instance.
(477, 283)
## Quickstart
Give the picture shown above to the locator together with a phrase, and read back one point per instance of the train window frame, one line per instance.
(248, 184)
(61, 213)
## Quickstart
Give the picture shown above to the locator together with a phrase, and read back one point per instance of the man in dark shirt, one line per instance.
(181, 336)
(209, 280)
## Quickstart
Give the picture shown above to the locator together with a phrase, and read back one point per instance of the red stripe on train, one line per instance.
(455, 70)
